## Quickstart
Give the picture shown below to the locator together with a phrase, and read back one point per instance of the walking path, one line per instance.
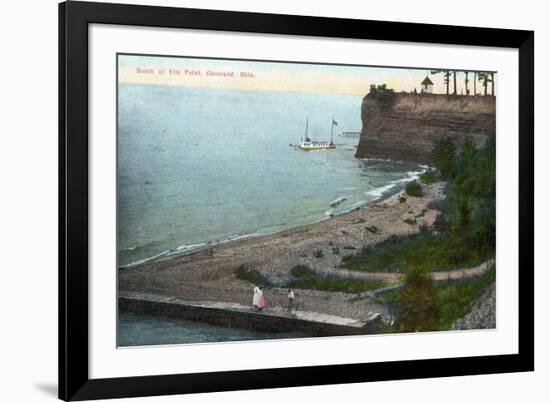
(395, 277)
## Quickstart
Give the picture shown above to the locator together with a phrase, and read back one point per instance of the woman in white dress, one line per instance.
(261, 300)
(256, 297)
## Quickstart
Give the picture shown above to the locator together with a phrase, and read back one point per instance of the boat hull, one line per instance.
(316, 148)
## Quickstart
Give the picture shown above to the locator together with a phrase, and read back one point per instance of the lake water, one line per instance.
(140, 330)
(199, 166)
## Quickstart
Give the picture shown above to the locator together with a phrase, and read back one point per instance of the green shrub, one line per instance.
(402, 200)
(334, 284)
(301, 270)
(336, 250)
(410, 221)
(422, 213)
(250, 275)
(453, 299)
(417, 303)
(441, 223)
(372, 229)
(429, 177)
(305, 278)
(380, 89)
(444, 157)
(318, 254)
(471, 195)
(424, 250)
(449, 301)
(413, 189)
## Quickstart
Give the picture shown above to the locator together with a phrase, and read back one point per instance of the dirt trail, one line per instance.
(394, 277)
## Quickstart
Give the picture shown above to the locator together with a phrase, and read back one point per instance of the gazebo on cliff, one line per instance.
(427, 86)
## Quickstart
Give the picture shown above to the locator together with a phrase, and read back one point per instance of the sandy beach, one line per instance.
(209, 274)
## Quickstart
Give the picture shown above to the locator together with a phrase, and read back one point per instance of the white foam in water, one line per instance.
(411, 175)
(195, 247)
(379, 191)
(337, 201)
(237, 237)
(379, 160)
(186, 248)
(144, 260)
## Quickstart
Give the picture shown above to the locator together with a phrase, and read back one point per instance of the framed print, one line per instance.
(257, 201)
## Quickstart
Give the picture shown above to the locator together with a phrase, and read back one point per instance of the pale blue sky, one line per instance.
(282, 76)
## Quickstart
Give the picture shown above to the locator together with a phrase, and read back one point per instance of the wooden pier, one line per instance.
(349, 134)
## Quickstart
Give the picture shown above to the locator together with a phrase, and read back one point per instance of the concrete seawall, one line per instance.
(235, 315)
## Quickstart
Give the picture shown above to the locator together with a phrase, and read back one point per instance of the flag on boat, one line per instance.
(334, 122)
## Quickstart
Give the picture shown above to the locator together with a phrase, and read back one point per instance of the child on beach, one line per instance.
(290, 299)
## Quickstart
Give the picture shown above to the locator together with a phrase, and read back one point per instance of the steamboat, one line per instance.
(307, 144)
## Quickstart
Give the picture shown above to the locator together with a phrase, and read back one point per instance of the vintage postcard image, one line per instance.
(267, 199)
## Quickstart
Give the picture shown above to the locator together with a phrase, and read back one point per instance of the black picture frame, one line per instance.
(74, 18)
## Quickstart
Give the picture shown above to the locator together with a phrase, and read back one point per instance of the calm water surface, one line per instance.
(140, 330)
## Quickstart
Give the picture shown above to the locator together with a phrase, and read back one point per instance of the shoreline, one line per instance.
(209, 273)
(175, 253)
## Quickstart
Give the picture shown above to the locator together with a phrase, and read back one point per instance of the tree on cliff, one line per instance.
(454, 82)
(444, 157)
(447, 78)
(466, 81)
(485, 78)
(382, 88)
(471, 196)
(471, 191)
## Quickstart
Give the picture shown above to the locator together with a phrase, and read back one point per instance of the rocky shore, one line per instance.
(482, 314)
(209, 274)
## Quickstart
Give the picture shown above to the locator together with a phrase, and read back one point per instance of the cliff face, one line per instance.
(403, 126)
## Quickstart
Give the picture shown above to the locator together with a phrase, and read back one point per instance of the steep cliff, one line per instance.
(403, 126)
